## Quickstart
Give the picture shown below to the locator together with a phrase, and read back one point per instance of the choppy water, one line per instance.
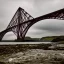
(35, 56)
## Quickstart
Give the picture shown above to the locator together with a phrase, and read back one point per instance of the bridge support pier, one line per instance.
(20, 39)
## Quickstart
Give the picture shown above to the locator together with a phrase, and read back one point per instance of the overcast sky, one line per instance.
(35, 8)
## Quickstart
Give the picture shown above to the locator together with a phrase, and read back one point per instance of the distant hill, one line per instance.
(52, 39)
(58, 38)
(28, 39)
(48, 38)
(43, 39)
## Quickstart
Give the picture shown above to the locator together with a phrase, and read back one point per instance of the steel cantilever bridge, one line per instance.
(22, 21)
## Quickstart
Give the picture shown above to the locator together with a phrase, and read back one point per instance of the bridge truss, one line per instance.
(22, 21)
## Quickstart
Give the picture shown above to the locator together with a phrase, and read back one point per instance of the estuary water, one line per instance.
(10, 43)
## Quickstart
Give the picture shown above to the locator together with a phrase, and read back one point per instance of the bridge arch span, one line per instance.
(4, 32)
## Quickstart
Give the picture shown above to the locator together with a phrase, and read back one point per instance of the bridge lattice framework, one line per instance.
(22, 21)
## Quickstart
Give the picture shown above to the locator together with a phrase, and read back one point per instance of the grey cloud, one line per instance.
(48, 27)
(51, 25)
(43, 7)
